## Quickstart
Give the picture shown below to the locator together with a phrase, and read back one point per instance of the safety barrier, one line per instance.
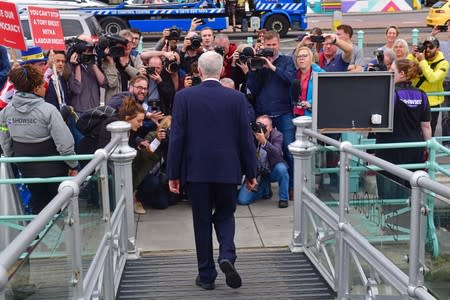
(333, 244)
(117, 243)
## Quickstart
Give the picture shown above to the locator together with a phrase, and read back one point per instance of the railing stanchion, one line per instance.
(343, 254)
(302, 150)
(122, 158)
(416, 245)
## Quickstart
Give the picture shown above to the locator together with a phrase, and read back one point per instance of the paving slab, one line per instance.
(275, 231)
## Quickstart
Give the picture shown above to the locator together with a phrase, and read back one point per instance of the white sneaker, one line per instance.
(139, 208)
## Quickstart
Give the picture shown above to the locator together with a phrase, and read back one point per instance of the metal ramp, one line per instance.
(266, 274)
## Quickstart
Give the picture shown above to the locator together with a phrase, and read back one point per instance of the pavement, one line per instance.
(259, 225)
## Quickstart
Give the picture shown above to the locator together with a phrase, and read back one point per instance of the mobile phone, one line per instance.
(442, 28)
(202, 22)
(317, 38)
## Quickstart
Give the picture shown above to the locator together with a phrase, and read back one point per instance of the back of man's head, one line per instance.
(210, 64)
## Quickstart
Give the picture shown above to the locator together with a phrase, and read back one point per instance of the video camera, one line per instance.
(257, 62)
(174, 34)
(379, 66)
(75, 45)
(114, 42)
(258, 126)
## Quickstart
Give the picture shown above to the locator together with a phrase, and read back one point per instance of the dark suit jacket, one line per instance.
(210, 137)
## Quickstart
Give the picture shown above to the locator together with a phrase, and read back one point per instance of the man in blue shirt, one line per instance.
(270, 85)
(330, 59)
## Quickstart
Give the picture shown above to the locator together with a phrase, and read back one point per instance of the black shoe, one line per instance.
(283, 203)
(232, 277)
(203, 285)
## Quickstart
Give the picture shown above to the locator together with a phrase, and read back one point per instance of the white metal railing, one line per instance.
(330, 241)
(102, 279)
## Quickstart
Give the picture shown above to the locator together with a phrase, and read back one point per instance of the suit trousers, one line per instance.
(206, 197)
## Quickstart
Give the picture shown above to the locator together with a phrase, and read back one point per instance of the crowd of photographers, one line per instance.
(93, 79)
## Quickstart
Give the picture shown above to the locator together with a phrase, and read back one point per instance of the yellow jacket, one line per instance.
(434, 78)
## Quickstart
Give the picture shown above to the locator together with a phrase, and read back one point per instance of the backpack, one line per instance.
(88, 121)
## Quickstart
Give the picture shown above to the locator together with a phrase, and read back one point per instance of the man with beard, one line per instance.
(434, 71)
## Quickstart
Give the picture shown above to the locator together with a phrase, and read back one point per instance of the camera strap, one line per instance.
(422, 78)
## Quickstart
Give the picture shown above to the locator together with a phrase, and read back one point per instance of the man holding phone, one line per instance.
(444, 47)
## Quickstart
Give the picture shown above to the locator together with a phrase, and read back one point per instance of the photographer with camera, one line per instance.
(149, 168)
(118, 64)
(302, 85)
(161, 88)
(191, 50)
(382, 61)
(270, 165)
(270, 85)
(330, 59)
(168, 41)
(223, 46)
(434, 68)
(86, 77)
(445, 49)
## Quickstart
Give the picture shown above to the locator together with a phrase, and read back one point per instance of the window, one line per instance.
(71, 27)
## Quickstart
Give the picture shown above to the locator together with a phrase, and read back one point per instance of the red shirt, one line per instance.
(298, 111)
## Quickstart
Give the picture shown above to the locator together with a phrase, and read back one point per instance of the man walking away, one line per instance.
(210, 148)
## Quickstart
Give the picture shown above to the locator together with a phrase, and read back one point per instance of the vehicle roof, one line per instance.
(67, 4)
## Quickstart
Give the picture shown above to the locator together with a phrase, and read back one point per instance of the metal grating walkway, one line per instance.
(266, 274)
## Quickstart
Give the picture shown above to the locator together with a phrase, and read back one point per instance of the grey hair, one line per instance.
(222, 36)
(210, 63)
(227, 82)
(403, 42)
(390, 54)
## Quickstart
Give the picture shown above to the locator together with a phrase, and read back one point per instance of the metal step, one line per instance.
(266, 274)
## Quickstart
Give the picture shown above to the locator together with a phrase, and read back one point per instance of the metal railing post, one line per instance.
(342, 253)
(74, 238)
(108, 273)
(415, 36)
(122, 158)
(302, 150)
(360, 39)
(416, 244)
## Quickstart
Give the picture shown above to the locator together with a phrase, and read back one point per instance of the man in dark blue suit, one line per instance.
(210, 148)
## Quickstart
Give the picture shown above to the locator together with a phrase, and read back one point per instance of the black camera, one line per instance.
(174, 33)
(246, 54)
(220, 50)
(150, 70)
(196, 42)
(172, 65)
(87, 59)
(379, 66)
(317, 38)
(114, 42)
(420, 47)
(258, 126)
(442, 28)
(154, 105)
(196, 80)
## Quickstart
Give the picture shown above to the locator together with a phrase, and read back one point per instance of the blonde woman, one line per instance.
(302, 86)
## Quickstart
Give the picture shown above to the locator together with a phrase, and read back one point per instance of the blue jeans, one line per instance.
(279, 174)
(285, 125)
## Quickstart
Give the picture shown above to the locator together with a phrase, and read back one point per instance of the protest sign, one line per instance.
(11, 34)
(46, 29)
